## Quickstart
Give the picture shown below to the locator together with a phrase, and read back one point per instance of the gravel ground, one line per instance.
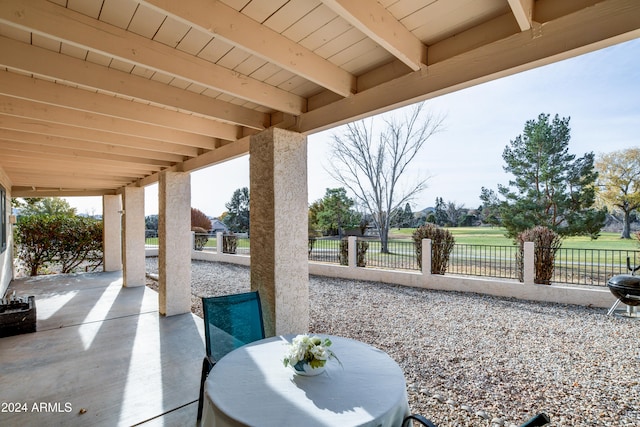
(474, 360)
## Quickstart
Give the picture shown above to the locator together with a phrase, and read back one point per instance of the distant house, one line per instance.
(218, 226)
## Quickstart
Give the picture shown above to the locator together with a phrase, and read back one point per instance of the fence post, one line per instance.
(219, 242)
(529, 267)
(426, 256)
(353, 251)
(193, 240)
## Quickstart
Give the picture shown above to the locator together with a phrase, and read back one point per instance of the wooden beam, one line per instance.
(61, 153)
(87, 120)
(21, 191)
(221, 21)
(110, 138)
(74, 144)
(523, 12)
(40, 61)
(381, 26)
(22, 86)
(219, 155)
(69, 161)
(604, 24)
(44, 17)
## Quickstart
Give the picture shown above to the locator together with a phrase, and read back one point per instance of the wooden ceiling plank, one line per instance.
(14, 54)
(29, 192)
(125, 179)
(381, 26)
(14, 161)
(226, 152)
(91, 135)
(69, 161)
(608, 22)
(523, 12)
(74, 28)
(42, 150)
(89, 120)
(222, 21)
(35, 138)
(39, 90)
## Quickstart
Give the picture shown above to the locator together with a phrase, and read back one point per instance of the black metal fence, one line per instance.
(571, 266)
(484, 260)
(591, 266)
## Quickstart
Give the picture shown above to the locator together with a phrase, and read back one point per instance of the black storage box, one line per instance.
(18, 317)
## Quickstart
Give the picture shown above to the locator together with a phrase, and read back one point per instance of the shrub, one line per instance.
(442, 242)
(67, 240)
(80, 240)
(546, 243)
(201, 237)
(361, 256)
(199, 219)
(229, 243)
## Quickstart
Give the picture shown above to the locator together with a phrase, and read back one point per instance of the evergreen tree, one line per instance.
(550, 187)
(237, 217)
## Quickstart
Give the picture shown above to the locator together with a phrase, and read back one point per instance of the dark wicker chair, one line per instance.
(230, 321)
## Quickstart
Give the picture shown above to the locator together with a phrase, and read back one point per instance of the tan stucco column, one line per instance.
(133, 226)
(112, 232)
(279, 235)
(174, 232)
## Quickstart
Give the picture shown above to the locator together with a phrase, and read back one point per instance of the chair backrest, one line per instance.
(231, 321)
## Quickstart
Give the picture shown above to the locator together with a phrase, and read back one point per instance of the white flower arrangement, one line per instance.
(312, 350)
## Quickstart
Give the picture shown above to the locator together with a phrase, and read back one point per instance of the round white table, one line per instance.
(251, 387)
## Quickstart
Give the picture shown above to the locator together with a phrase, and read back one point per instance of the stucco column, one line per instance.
(133, 226)
(112, 232)
(529, 264)
(174, 252)
(279, 234)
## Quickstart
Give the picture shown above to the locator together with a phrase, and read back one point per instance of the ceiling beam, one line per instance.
(73, 144)
(226, 152)
(22, 86)
(221, 21)
(21, 191)
(381, 26)
(604, 24)
(51, 20)
(110, 138)
(47, 151)
(87, 120)
(40, 61)
(523, 12)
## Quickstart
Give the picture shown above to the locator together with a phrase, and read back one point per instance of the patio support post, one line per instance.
(426, 256)
(134, 266)
(353, 251)
(279, 232)
(174, 252)
(112, 232)
(529, 273)
(219, 238)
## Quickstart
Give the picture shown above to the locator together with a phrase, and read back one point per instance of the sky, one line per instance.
(599, 91)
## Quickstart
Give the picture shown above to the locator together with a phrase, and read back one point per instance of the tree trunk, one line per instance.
(626, 226)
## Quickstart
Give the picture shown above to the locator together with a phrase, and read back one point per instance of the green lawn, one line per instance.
(494, 236)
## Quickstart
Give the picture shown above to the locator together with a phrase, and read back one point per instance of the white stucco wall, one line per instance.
(6, 257)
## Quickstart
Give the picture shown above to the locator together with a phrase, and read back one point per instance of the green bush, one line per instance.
(229, 243)
(361, 245)
(546, 244)
(442, 242)
(63, 239)
(201, 237)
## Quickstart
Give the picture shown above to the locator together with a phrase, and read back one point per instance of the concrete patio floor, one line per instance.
(102, 356)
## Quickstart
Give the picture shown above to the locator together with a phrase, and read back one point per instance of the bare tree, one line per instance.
(370, 163)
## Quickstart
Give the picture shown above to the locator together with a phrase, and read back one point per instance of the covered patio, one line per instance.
(102, 355)
(105, 97)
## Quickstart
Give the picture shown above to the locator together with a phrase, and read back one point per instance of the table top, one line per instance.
(251, 387)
